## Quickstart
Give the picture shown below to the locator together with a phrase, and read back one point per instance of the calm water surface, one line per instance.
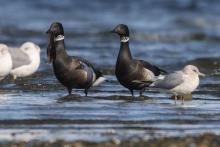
(169, 34)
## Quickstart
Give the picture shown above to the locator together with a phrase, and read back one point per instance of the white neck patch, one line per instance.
(124, 39)
(59, 37)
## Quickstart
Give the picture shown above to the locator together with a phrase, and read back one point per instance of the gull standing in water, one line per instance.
(180, 82)
(25, 60)
(131, 72)
(71, 71)
(5, 61)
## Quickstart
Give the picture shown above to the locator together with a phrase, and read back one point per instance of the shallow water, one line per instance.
(168, 34)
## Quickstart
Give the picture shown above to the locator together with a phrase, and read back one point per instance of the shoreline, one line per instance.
(200, 140)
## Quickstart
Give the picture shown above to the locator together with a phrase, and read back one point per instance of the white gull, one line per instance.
(180, 82)
(5, 61)
(25, 59)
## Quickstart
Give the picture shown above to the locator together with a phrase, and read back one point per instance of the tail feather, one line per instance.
(99, 81)
(162, 71)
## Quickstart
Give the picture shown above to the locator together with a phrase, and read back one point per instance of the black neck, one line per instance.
(60, 47)
(124, 52)
(57, 50)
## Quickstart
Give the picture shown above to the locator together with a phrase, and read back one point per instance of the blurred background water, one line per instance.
(168, 33)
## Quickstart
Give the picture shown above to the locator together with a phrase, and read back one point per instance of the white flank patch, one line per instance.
(160, 77)
(99, 81)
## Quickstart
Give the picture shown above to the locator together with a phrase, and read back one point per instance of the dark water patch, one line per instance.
(197, 36)
(207, 64)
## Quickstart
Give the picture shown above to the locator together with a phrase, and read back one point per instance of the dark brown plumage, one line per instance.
(72, 72)
(131, 72)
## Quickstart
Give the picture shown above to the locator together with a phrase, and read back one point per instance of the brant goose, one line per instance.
(25, 60)
(5, 60)
(71, 71)
(180, 82)
(132, 72)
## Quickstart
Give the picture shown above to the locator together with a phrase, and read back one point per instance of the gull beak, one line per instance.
(201, 74)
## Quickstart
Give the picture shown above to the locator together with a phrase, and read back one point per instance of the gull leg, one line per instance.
(175, 97)
(14, 77)
(182, 100)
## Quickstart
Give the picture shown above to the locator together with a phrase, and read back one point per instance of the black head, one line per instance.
(51, 54)
(56, 29)
(122, 30)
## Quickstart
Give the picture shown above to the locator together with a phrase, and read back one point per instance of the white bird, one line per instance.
(5, 61)
(180, 82)
(25, 60)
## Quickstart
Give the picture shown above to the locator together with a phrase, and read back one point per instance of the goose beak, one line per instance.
(48, 31)
(112, 31)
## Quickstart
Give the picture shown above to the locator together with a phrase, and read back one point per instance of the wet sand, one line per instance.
(202, 140)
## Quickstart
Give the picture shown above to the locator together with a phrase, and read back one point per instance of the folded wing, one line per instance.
(19, 58)
(156, 70)
(170, 81)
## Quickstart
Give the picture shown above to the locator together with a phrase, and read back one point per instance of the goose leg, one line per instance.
(69, 90)
(86, 92)
(182, 100)
(175, 97)
(132, 93)
(141, 92)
